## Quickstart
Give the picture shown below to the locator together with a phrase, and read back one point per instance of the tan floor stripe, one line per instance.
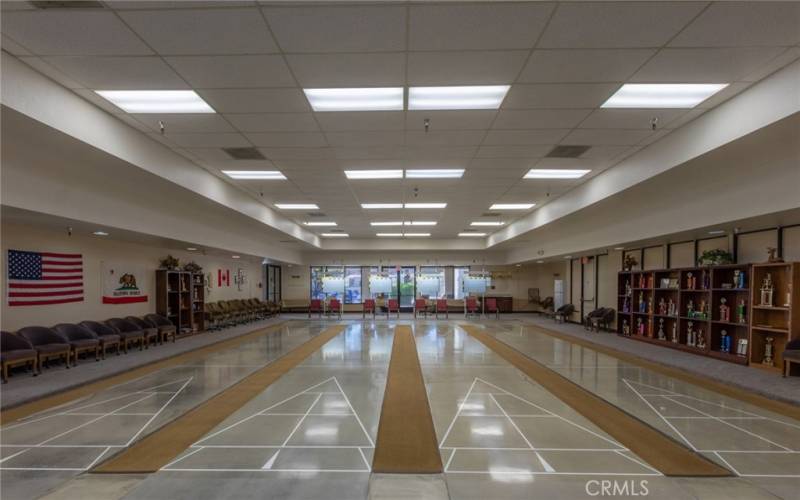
(665, 454)
(749, 397)
(164, 445)
(47, 402)
(406, 441)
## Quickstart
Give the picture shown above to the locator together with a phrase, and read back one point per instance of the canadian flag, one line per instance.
(224, 277)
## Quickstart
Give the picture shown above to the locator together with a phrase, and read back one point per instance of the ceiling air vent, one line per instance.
(286, 241)
(567, 151)
(490, 214)
(244, 153)
(67, 4)
(316, 214)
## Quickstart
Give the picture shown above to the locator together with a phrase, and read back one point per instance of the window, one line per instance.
(391, 272)
(458, 281)
(317, 272)
(432, 282)
(352, 285)
(327, 282)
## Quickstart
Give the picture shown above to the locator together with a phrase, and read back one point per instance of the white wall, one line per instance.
(94, 251)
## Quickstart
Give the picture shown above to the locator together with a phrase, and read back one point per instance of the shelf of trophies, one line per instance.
(177, 298)
(702, 310)
(776, 316)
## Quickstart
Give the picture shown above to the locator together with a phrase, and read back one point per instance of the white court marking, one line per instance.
(692, 403)
(548, 469)
(274, 451)
(52, 420)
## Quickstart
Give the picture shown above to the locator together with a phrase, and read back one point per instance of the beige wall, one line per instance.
(753, 246)
(791, 244)
(95, 250)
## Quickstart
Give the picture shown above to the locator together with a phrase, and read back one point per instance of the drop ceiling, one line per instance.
(250, 62)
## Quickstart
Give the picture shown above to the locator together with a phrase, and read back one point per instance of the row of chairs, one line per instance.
(223, 313)
(392, 306)
(34, 346)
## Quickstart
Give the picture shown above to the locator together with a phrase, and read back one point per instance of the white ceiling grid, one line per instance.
(250, 61)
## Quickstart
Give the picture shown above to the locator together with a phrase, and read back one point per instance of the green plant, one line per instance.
(629, 263)
(170, 262)
(715, 258)
(192, 267)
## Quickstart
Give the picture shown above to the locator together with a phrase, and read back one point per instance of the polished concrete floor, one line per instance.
(311, 434)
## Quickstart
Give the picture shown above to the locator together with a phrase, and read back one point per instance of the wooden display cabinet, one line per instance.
(179, 300)
(779, 318)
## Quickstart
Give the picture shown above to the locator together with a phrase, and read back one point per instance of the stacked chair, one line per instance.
(80, 339)
(15, 350)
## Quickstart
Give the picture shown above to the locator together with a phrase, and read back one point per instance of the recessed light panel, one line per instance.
(419, 223)
(559, 173)
(389, 223)
(359, 99)
(374, 206)
(156, 101)
(471, 235)
(486, 223)
(426, 205)
(462, 97)
(662, 95)
(255, 174)
(512, 206)
(335, 235)
(374, 174)
(389, 235)
(100, 233)
(297, 206)
(320, 223)
(439, 173)
(416, 235)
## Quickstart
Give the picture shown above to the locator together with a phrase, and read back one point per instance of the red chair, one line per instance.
(335, 307)
(392, 306)
(491, 307)
(315, 307)
(471, 306)
(420, 307)
(369, 306)
(441, 307)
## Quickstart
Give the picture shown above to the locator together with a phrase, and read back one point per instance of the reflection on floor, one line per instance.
(311, 434)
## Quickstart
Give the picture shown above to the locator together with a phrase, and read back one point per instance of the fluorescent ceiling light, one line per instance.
(558, 173)
(255, 174)
(320, 223)
(191, 249)
(512, 206)
(467, 235)
(100, 233)
(374, 174)
(662, 95)
(389, 235)
(335, 235)
(486, 223)
(391, 223)
(426, 205)
(156, 101)
(439, 173)
(717, 231)
(462, 97)
(358, 99)
(381, 205)
(297, 206)
(419, 223)
(417, 235)
(235, 257)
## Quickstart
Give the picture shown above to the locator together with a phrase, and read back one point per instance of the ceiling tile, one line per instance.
(175, 4)
(718, 65)
(208, 140)
(450, 120)
(185, 123)
(605, 137)
(130, 120)
(202, 31)
(617, 24)
(631, 118)
(348, 70)
(119, 73)
(525, 137)
(605, 65)
(366, 138)
(256, 100)
(539, 118)
(445, 138)
(784, 59)
(551, 95)
(51, 72)
(528, 152)
(277, 154)
(338, 28)
(72, 32)
(724, 94)
(424, 152)
(361, 120)
(368, 152)
(464, 68)
(500, 163)
(732, 24)
(476, 26)
(208, 72)
(604, 152)
(11, 46)
(287, 139)
(273, 122)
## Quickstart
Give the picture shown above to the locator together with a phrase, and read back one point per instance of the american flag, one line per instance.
(40, 278)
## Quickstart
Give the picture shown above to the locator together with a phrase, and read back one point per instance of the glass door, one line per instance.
(407, 281)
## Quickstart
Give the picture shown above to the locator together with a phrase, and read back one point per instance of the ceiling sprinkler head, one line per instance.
(653, 122)
(427, 124)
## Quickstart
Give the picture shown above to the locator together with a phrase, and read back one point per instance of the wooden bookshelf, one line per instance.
(180, 300)
(779, 318)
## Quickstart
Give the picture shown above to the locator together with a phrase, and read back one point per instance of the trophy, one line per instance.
(740, 312)
(674, 338)
(626, 328)
(700, 339)
(725, 342)
(767, 289)
(738, 279)
(768, 351)
(672, 308)
(690, 281)
(627, 288)
(639, 327)
(626, 305)
(690, 309)
(724, 310)
(662, 307)
(690, 335)
(741, 347)
(650, 305)
(788, 302)
(701, 311)
(661, 335)
(642, 304)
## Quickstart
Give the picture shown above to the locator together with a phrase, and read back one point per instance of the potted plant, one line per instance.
(170, 263)
(629, 263)
(192, 267)
(715, 257)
